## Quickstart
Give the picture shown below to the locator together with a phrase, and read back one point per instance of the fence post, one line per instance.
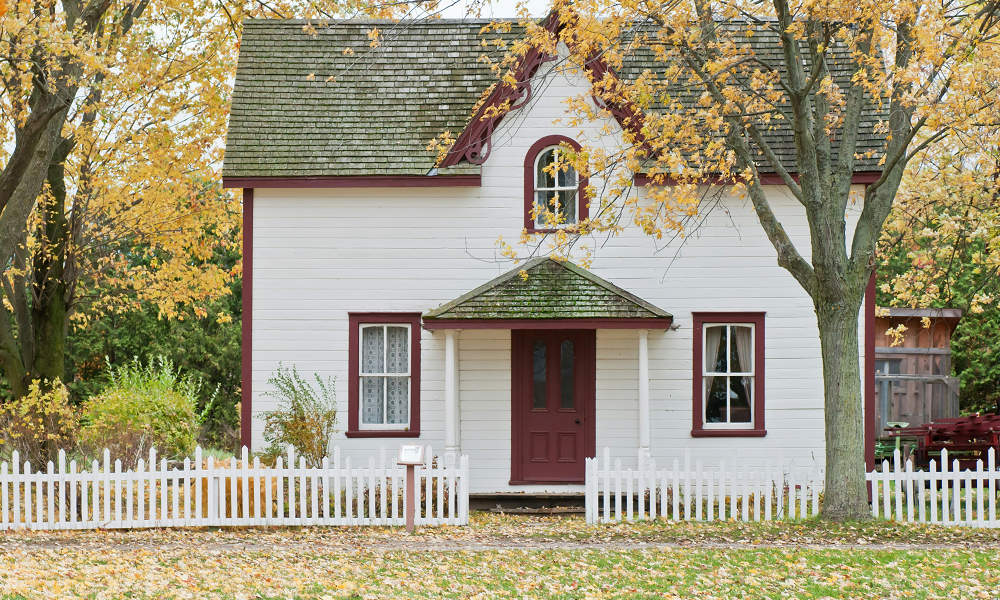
(3, 496)
(956, 490)
(588, 499)
(336, 486)
(991, 458)
(979, 492)
(909, 490)
(932, 468)
(921, 499)
(607, 484)
(409, 499)
(897, 479)
(464, 494)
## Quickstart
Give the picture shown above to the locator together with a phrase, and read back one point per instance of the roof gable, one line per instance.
(552, 290)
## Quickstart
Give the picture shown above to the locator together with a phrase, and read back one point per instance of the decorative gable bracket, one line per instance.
(475, 142)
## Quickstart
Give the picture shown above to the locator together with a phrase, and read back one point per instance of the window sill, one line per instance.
(382, 433)
(572, 227)
(728, 433)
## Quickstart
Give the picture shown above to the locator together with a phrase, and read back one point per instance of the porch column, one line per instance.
(452, 434)
(643, 393)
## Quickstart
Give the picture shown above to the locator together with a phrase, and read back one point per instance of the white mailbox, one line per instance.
(411, 455)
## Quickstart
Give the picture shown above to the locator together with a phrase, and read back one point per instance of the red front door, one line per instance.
(552, 396)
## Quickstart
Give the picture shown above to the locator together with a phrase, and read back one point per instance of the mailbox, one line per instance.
(411, 455)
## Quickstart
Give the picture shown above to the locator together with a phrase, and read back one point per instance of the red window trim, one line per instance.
(583, 209)
(698, 320)
(355, 320)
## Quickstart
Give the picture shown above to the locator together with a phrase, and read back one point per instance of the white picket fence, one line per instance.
(692, 492)
(241, 492)
(941, 494)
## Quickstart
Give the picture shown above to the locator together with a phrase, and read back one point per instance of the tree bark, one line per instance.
(49, 310)
(845, 495)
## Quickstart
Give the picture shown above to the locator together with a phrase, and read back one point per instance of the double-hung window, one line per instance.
(728, 390)
(384, 382)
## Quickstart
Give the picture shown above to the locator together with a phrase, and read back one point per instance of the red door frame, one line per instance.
(520, 390)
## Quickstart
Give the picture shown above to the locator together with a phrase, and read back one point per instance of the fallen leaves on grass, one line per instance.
(508, 557)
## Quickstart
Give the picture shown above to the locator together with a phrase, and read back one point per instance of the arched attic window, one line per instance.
(553, 185)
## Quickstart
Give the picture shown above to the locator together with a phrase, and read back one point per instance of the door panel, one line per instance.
(552, 395)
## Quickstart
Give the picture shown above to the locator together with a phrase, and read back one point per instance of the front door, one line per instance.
(552, 396)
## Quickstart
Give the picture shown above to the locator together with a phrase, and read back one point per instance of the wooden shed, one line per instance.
(913, 379)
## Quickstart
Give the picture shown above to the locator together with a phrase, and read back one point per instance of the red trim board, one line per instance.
(355, 181)
(658, 323)
(475, 141)
(869, 379)
(583, 206)
(355, 320)
(859, 178)
(698, 320)
(246, 324)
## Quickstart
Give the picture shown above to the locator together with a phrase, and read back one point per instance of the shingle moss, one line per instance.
(551, 290)
(328, 104)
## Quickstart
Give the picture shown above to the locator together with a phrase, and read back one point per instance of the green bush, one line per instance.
(142, 406)
(305, 418)
(38, 424)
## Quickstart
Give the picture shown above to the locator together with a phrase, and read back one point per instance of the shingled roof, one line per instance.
(377, 114)
(552, 290)
(326, 104)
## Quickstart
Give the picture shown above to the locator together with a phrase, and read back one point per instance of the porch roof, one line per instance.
(555, 294)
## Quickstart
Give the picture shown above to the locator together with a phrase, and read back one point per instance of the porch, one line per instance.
(534, 370)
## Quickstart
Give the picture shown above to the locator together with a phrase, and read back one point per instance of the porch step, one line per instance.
(545, 504)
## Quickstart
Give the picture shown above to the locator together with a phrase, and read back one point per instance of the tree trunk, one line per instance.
(49, 311)
(845, 495)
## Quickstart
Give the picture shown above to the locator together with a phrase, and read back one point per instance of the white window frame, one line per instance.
(575, 188)
(385, 377)
(706, 373)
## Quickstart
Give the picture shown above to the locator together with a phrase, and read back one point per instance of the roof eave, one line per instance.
(354, 181)
(657, 323)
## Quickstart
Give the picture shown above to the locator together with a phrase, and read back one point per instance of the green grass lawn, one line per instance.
(506, 557)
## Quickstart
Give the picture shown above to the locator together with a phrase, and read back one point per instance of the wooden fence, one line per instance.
(943, 494)
(199, 492)
(692, 492)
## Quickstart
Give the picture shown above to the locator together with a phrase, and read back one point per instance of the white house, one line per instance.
(365, 262)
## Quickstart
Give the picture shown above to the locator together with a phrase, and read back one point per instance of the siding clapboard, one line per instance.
(321, 253)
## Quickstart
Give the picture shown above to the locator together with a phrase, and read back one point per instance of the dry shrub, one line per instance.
(305, 417)
(38, 424)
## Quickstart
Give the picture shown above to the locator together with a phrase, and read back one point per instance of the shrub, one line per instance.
(220, 422)
(142, 406)
(39, 424)
(306, 415)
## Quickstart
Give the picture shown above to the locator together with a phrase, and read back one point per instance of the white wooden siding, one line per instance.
(321, 253)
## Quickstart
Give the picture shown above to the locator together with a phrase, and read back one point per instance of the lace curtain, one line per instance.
(385, 398)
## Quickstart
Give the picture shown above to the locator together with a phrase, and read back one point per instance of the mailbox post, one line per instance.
(410, 457)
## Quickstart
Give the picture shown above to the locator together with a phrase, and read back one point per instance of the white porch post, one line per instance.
(452, 434)
(644, 424)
